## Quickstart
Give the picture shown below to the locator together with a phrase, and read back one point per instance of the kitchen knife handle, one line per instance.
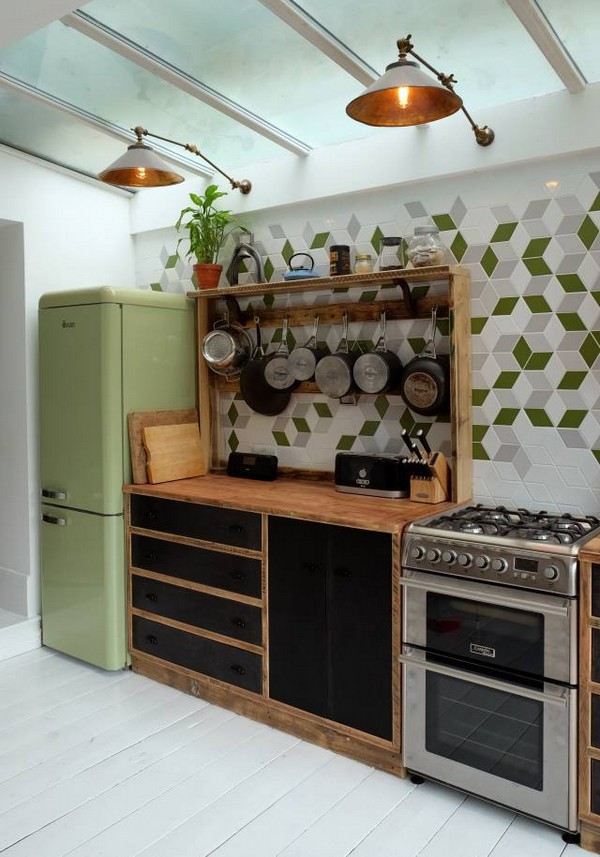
(409, 444)
(423, 441)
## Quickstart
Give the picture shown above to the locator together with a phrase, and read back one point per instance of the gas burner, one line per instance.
(471, 527)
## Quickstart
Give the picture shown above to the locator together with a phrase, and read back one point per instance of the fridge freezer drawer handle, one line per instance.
(51, 519)
(54, 495)
(559, 696)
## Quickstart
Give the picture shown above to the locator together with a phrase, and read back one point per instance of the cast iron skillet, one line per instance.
(425, 380)
(257, 394)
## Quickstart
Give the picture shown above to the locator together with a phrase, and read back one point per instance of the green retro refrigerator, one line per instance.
(102, 353)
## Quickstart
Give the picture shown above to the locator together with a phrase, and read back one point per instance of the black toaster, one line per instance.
(378, 475)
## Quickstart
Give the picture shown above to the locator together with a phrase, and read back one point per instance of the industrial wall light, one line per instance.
(140, 166)
(405, 95)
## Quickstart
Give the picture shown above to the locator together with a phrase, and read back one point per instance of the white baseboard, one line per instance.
(19, 635)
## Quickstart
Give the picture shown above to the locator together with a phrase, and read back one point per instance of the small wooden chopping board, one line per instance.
(173, 452)
(136, 420)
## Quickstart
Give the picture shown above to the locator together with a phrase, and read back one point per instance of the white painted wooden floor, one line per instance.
(95, 763)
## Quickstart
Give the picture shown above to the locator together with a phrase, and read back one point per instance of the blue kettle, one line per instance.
(300, 273)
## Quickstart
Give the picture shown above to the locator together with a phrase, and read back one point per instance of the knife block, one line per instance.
(434, 488)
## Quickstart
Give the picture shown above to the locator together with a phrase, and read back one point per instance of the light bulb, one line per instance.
(403, 95)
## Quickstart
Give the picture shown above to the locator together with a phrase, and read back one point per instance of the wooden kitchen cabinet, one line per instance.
(330, 622)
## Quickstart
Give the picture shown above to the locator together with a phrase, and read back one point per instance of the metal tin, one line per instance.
(339, 260)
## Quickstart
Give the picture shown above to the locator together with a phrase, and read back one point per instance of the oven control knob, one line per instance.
(449, 557)
(464, 559)
(499, 565)
(417, 552)
(551, 572)
(482, 561)
(433, 555)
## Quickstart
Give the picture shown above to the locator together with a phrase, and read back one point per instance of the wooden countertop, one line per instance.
(295, 498)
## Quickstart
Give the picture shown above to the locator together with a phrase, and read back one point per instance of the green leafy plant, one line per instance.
(207, 227)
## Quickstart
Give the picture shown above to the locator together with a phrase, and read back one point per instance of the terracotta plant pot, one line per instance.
(207, 275)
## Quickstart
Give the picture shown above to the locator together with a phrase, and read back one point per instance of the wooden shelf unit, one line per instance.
(398, 303)
(589, 696)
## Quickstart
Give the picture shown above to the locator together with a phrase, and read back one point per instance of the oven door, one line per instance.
(507, 631)
(503, 742)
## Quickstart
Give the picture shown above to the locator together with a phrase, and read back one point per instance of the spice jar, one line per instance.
(426, 248)
(339, 260)
(363, 263)
(390, 253)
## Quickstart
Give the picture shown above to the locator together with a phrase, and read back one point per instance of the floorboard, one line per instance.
(94, 763)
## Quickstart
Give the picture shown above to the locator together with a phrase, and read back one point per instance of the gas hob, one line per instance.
(531, 550)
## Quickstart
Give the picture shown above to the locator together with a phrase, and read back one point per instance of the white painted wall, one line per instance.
(58, 232)
(19, 19)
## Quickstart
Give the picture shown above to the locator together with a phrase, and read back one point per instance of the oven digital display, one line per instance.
(525, 564)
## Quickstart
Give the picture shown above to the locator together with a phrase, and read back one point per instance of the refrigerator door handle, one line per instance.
(51, 519)
(54, 495)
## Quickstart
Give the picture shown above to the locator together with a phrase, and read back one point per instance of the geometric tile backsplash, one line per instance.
(530, 237)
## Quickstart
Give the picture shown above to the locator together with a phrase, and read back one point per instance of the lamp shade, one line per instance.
(140, 166)
(404, 95)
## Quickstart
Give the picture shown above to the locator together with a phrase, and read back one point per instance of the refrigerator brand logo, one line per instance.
(486, 651)
(68, 323)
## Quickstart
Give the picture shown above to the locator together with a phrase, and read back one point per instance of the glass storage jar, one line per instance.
(426, 248)
(363, 263)
(390, 253)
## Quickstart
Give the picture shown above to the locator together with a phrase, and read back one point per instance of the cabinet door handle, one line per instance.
(152, 639)
(151, 516)
(237, 575)
(54, 495)
(236, 528)
(151, 556)
(52, 519)
(239, 623)
(343, 571)
(238, 669)
(151, 596)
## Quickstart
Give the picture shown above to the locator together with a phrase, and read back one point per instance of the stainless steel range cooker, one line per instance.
(490, 655)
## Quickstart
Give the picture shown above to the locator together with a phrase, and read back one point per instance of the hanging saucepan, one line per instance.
(425, 380)
(334, 371)
(277, 370)
(255, 391)
(303, 360)
(226, 348)
(377, 371)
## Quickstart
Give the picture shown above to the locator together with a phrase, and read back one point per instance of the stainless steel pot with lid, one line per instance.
(303, 360)
(334, 371)
(277, 370)
(377, 371)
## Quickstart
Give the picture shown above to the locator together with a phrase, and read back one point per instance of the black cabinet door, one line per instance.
(359, 600)
(297, 629)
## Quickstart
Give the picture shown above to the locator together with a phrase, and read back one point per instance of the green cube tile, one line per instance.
(382, 406)
(478, 397)
(459, 247)
(536, 248)
(319, 240)
(572, 419)
(477, 325)
(595, 206)
(522, 352)
(417, 344)
(323, 409)
(504, 232)
(506, 416)
(537, 303)
(479, 432)
(443, 222)
(233, 441)
(538, 417)
(596, 453)
(171, 261)
(505, 306)
(489, 260)
(369, 428)
(407, 421)
(367, 297)
(596, 296)
(376, 240)
(570, 321)
(232, 413)
(590, 349)
(479, 453)
(506, 380)
(287, 252)
(572, 380)
(268, 300)
(156, 287)
(269, 270)
(301, 425)
(346, 442)
(587, 232)
(537, 267)
(538, 361)
(280, 438)
(571, 282)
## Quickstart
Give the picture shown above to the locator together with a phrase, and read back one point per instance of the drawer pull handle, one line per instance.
(151, 596)
(151, 556)
(237, 575)
(238, 669)
(152, 639)
(236, 528)
(343, 572)
(151, 516)
(52, 519)
(239, 623)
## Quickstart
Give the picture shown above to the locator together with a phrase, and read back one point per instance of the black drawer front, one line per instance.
(221, 570)
(230, 618)
(226, 663)
(209, 523)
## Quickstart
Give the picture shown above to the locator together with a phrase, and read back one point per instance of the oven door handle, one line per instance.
(557, 696)
(473, 592)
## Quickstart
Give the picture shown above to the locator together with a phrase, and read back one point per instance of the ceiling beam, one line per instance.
(314, 32)
(135, 53)
(543, 34)
(125, 135)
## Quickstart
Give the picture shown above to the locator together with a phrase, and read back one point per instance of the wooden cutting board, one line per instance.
(173, 452)
(136, 420)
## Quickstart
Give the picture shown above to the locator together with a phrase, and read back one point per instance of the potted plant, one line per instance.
(207, 228)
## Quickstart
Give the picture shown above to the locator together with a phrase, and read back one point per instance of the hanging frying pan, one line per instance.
(277, 369)
(334, 371)
(255, 391)
(303, 360)
(377, 371)
(425, 380)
